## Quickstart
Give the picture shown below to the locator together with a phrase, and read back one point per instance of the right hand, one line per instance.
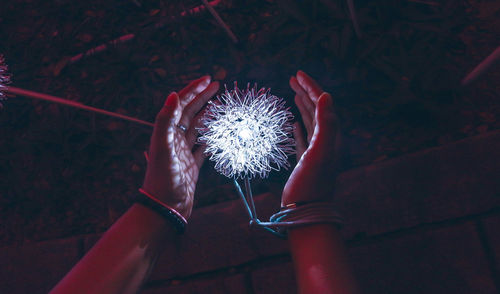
(174, 160)
(313, 177)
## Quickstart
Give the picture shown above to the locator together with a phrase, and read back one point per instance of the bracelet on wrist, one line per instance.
(162, 209)
(299, 214)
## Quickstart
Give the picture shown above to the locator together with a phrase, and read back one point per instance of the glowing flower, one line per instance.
(247, 133)
(4, 78)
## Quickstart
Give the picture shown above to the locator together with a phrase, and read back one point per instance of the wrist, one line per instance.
(166, 226)
(167, 212)
(302, 199)
(296, 215)
(178, 201)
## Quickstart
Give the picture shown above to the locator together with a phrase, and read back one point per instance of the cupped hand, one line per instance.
(313, 177)
(174, 160)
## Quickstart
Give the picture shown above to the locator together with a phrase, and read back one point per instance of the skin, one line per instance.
(318, 253)
(123, 258)
(174, 160)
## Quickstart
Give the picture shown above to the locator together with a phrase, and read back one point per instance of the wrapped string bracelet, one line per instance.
(301, 214)
(292, 215)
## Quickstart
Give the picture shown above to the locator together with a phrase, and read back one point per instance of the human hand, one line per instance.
(174, 160)
(311, 179)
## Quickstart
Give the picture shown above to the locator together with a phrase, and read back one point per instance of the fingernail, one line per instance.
(329, 102)
(170, 99)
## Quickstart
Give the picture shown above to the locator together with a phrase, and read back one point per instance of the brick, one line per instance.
(492, 229)
(274, 279)
(219, 236)
(221, 284)
(433, 185)
(36, 267)
(444, 260)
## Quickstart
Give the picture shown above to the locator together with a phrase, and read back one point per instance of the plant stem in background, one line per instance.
(482, 67)
(54, 99)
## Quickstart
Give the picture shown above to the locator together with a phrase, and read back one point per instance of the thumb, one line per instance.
(325, 130)
(165, 117)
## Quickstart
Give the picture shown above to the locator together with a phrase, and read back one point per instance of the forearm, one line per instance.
(320, 260)
(122, 259)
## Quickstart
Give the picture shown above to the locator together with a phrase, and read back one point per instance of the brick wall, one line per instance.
(423, 223)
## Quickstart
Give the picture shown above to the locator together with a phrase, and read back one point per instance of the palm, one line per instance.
(174, 160)
(183, 169)
(311, 178)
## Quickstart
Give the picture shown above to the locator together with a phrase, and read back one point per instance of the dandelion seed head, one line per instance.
(247, 133)
(4, 78)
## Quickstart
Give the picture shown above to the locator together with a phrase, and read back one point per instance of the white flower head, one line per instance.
(247, 132)
(4, 78)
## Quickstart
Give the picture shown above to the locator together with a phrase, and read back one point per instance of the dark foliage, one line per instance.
(65, 172)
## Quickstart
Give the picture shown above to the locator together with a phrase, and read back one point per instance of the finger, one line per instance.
(296, 86)
(199, 155)
(164, 119)
(306, 116)
(300, 140)
(308, 103)
(325, 130)
(192, 89)
(309, 85)
(197, 103)
(192, 132)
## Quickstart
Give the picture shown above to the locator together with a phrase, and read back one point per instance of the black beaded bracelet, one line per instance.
(164, 210)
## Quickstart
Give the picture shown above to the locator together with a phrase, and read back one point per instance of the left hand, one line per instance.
(311, 179)
(174, 162)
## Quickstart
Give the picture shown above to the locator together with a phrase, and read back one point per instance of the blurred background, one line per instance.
(394, 69)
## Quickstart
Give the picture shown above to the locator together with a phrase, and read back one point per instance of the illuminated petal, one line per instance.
(247, 133)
